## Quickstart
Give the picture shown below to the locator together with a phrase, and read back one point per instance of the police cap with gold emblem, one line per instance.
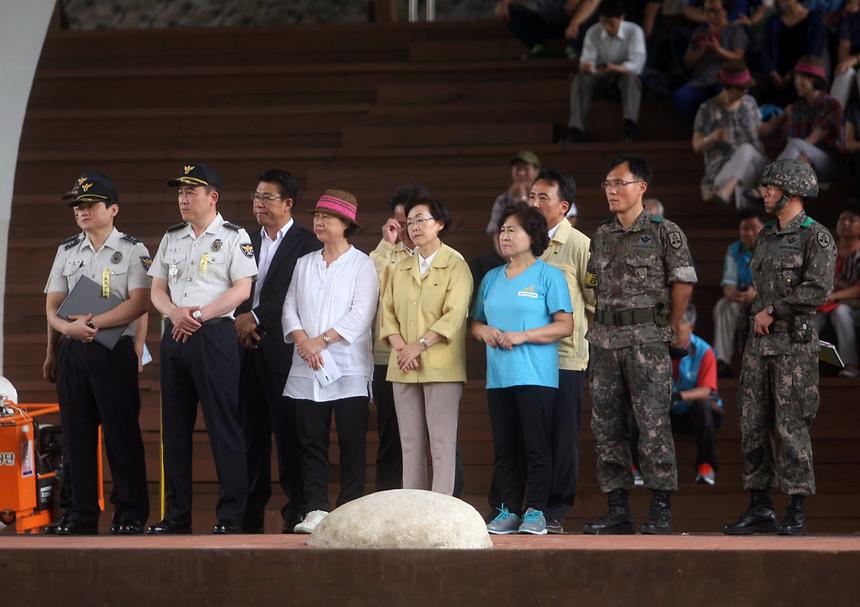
(92, 186)
(196, 173)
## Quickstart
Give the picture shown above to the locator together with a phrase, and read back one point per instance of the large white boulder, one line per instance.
(403, 518)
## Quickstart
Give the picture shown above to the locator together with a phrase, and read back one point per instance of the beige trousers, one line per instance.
(428, 409)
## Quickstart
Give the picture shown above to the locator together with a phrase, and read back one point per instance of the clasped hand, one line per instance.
(310, 351)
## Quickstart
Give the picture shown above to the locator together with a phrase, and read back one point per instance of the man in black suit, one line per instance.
(265, 357)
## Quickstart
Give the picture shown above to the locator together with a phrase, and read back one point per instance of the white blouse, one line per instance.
(343, 297)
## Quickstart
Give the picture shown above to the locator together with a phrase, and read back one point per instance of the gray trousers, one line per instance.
(820, 160)
(423, 409)
(746, 164)
(583, 87)
(725, 325)
(844, 319)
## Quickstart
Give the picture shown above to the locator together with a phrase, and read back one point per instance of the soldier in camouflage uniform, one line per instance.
(643, 274)
(792, 272)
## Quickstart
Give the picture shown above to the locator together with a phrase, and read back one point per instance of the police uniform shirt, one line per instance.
(793, 270)
(632, 269)
(198, 270)
(120, 265)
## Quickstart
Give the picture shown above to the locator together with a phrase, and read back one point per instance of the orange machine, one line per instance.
(29, 458)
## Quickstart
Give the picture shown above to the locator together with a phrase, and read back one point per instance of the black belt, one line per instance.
(631, 316)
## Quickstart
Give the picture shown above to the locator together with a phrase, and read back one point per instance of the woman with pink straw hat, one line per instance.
(328, 313)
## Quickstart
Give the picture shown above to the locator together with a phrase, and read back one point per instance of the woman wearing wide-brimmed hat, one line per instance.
(328, 313)
(814, 122)
(726, 133)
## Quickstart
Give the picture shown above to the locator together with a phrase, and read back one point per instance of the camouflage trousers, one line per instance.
(637, 378)
(778, 398)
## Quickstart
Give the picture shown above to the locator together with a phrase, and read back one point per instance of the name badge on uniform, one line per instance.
(204, 262)
(528, 292)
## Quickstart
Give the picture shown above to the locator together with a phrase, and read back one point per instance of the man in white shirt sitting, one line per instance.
(613, 55)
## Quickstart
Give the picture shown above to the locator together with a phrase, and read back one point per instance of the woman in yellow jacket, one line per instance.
(424, 314)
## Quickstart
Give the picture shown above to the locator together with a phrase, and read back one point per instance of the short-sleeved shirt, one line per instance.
(742, 124)
(120, 264)
(527, 301)
(824, 113)
(634, 269)
(732, 38)
(199, 269)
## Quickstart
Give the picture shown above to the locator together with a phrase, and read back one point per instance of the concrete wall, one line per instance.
(23, 25)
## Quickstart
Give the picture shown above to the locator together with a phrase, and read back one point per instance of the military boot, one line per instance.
(659, 521)
(794, 521)
(618, 521)
(758, 518)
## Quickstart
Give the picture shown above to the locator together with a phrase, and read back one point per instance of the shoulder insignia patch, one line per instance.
(656, 219)
(807, 222)
(131, 239)
(675, 239)
(71, 241)
(177, 226)
(590, 280)
(145, 261)
(247, 249)
(232, 226)
(823, 239)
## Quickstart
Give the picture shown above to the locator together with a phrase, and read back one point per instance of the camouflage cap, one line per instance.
(795, 177)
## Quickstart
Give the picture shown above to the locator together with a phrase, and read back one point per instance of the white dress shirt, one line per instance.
(268, 248)
(424, 264)
(341, 296)
(626, 48)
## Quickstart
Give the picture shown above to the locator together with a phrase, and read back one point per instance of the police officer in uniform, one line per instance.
(643, 275)
(792, 271)
(97, 385)
(202, 271)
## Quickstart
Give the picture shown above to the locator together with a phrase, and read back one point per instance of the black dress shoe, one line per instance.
(127, 528)
(77, 528)
(52, 528)
(166, 527)
(291, 519)
(553, 525)
(225, 526)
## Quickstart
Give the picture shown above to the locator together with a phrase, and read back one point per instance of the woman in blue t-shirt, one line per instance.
(521, 311)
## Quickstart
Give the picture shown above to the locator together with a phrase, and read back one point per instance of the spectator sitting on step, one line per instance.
(851, 144)
(613, 56)
(741, 12)
(726, 133)
(789, 34)
(842, 309)
(738, 291)
(814, 122)
(696, 405)
(654, 207)
(525, 166)
(546, 20)
(848, 54)
(713, 43)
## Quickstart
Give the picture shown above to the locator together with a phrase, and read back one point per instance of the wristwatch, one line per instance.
(770, 309)
(422, 341)
(197, 315)
(90, 324)
(326, 339)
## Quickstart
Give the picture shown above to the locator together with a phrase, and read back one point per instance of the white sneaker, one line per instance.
(312, 519)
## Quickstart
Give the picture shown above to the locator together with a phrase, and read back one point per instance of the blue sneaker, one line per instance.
(505, 523)
(533, 522)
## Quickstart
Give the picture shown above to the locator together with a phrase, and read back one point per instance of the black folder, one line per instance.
(86, 298)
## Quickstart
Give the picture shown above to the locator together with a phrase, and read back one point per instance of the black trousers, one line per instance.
(314, 425)
(204, 369)
(265, 410)
(99, 386)
(701, 421)
(566, 415)
(389, 458)
(521, 417)
(531, 27)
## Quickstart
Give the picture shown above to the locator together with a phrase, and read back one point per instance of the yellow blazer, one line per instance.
(439, 302)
